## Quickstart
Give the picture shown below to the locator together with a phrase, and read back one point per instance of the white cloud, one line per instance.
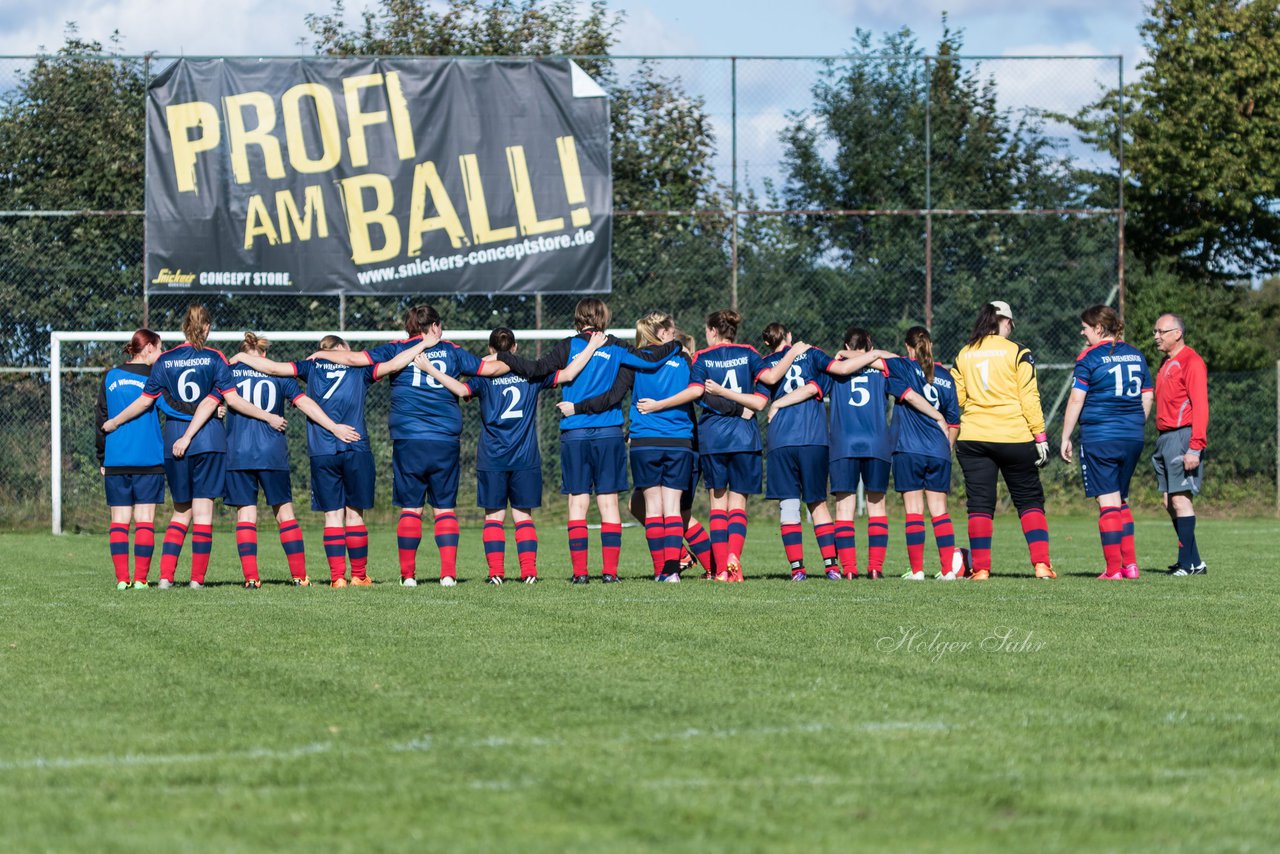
(644, 32)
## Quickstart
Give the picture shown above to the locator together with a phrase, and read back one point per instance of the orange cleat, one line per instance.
(979, 575)
(361, 581)
(1043, 570)
(338, 582)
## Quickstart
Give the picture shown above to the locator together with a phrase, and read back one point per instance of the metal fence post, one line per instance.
(1120, 187)
(55, 430)
(928, 193)
(1278, 438)
(733, 169)
(146, 136)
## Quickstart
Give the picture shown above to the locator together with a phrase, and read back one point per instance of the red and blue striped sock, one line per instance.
(578, 546)
(826, 536)
(611, 546)
(494, 538)
(1111, 531)
(1128, 552)
(201, 550)
(527, 548)
(793, 544)
(655, 534)
(720, 538)
(915, 541)
(335, 552)
(1036, 529)
(118, 539)
(295, 550)
(446, 534)
(174, 536)
(737, 532)
(945, 536)
(980, 530)
(358, 550)
(408, 538)
(675, 543)
(699, 544)
(247, 548)
(144, 543)
(847, 547)
(877, 542)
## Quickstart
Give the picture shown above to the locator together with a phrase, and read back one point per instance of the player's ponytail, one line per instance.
(196, 325)
(254, 344)
(591, 313)
(1106, 317)
(648, 327)
(332, 342)
(988, 323)
(419, 318)
(725, 323)
(918, 339)
(857, 338)
(502, 340)
(773, 335)
(141, 339)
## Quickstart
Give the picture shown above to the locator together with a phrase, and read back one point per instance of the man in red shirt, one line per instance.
(1182, 417)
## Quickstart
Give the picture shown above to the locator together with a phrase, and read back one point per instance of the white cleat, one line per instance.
(447, 581)
(409, 582)
(165, 584)
(946, 576)
(913, 576)
(195, 585)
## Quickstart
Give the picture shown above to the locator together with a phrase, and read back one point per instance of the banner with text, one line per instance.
(378, 176)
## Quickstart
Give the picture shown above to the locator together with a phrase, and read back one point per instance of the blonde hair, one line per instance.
(918, 339)
(332, 342)
(196, 325)
(648, 327)
(254, 344)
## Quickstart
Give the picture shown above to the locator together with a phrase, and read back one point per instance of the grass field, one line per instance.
(1017, 714)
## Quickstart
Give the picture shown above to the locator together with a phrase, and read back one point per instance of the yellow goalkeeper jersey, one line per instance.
(998, 394)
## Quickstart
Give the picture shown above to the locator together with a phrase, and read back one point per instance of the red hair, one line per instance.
(140, 340)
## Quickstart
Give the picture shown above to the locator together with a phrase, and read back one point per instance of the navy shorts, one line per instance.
(658, 466)
(196, 476)
(126, 490)
(798, 471)
(686, 497)
(1109, 466)
(596, 465)
(243, 485)
(342, 480)
(741, 472)
(424, 472)
(871, 471)
(916, 471)
(521, 489)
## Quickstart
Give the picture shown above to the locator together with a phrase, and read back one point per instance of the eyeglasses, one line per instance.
(1158, 332)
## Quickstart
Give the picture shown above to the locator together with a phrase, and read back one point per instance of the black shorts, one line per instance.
(981, 462)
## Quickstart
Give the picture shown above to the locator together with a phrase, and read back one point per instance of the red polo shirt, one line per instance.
(1182, 395)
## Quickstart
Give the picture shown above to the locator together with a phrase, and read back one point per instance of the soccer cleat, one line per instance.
(874, 575)
(608, 578)
(122, 585)
(724, 575)
(980, 575)
(448, 581)
(495, 580)
(1174, 567)
(529, 579)
(1112, 576)
(670, 578)
(918, 575)
(1183, 572)
(338, 583)
(252, 583)
(361, 581)
(687, 561)
(304, 581)
(946, 576)
(799, 575)
(140, 585)
(850, 576)
(1043, 570)
(580, 579)
(1130, 571)
(165, 584)
(708, 575)
(834, 574)
(409, 582)
(195, 585)
(735, 576)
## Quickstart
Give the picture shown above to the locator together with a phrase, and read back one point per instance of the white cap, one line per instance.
(1002, 308)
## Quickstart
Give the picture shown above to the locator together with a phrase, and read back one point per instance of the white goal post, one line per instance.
(56, 369)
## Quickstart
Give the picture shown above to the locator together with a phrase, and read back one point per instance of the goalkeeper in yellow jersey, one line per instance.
(1001, 432)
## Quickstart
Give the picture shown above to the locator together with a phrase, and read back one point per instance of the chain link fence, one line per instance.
(882, 190)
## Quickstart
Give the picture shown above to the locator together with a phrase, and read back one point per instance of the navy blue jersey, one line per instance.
(913, 431)
(339, 391)
(137, 445)
(186, 376)
(422, 408)
(670, 378)
(736, 367)
(805, 423)
(252, 444)
(859, 415)
(509, 421)
(1113, 378)
(596, 379)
